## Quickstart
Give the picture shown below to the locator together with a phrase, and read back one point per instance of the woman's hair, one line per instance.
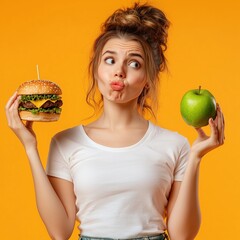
(148, 26)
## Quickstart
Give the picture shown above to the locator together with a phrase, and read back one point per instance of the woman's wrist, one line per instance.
(194, 157)
(31, 150)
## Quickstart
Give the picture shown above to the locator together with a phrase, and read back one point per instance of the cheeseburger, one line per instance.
(40, 101)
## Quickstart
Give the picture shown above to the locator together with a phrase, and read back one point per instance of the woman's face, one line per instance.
(121, 74)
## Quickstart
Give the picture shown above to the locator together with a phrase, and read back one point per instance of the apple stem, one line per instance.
(199, 89)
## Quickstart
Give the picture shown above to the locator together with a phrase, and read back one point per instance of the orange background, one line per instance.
(203, 50)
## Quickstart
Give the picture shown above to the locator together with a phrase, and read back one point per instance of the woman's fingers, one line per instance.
(11, 109)
(23, 131)
(9, 105)
(204, 143)
(217, 128)
(11, 100)
(214, 129)
(12, 114)
(15, 107)
(201, 133)
(221, 126)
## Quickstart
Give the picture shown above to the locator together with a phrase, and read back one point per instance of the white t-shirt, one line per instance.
(120, 192)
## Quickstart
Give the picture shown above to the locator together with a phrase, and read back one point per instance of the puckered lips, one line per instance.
(117, 85)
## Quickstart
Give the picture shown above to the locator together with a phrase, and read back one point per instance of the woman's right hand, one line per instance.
(23, 131)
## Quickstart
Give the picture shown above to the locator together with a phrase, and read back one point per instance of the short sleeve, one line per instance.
(182, 161)
(57, 165)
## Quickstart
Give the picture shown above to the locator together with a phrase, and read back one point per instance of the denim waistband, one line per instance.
(162, 236)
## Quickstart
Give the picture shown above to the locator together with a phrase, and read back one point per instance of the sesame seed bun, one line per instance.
(39, 87)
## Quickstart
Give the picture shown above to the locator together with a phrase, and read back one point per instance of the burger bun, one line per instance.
(39, 87)
(39, 117)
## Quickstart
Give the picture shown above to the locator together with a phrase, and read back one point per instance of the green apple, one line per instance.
(197, 107)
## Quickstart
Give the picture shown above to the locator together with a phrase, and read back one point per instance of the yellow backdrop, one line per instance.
(203, 50)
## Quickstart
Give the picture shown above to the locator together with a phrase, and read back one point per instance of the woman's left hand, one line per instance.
(204, 144)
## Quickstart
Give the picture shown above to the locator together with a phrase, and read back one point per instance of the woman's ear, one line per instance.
(146, 86)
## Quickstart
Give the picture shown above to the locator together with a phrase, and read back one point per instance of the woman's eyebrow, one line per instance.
(131, 54)
(136, 55)
(108, 51)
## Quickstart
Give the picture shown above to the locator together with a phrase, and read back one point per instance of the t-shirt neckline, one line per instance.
(113, 149)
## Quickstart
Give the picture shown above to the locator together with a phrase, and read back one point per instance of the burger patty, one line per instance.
(50, 104)
(47, 104)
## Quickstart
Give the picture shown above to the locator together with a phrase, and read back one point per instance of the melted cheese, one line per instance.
(39, 103)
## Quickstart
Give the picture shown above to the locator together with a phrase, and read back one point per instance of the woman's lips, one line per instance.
(117, 85)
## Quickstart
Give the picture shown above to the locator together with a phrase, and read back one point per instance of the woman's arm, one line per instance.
(183, 213)
(55, 198)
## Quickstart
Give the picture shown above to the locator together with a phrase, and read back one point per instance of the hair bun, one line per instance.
(145, 20)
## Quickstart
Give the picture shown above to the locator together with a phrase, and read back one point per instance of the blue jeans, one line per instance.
(162, 236)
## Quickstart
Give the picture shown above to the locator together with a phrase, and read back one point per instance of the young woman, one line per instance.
(121, 176)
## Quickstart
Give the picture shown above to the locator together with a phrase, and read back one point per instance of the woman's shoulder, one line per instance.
(68, 133)
(168, 134)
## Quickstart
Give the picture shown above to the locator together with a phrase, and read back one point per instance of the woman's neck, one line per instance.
(117, 116)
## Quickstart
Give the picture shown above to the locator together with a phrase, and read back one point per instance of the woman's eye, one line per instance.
(134, 64)
(109, 61)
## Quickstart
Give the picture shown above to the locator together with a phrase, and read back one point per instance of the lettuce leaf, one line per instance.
(35, 97)
(37, 110)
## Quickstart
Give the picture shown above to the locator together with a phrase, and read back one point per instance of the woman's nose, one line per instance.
(120, 73)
